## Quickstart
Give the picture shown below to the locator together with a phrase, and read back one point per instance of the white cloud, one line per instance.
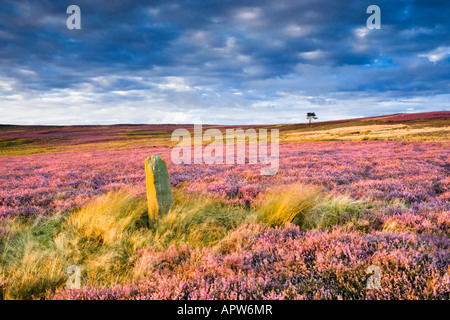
(175, 83)
(312, 55)
(437, 54)
(297, 31)
(5, 85)
(361, 32)
(249, 14)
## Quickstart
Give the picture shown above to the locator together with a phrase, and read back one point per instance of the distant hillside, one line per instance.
(398, 117)
(19, 140)
(414, 116)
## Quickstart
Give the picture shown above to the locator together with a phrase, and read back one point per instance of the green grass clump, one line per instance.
(29, 261)
(199, 222)
(307, 206)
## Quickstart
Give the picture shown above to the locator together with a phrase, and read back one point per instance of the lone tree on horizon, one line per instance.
(310, 116)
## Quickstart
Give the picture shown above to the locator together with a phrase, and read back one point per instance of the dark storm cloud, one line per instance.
(220, 61)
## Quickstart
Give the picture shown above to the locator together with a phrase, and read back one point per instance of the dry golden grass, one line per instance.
(403, 132)
(308, 207)
(108, 218)
(288, 204)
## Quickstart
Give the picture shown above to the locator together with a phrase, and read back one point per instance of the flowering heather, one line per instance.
(413, 172)
(255, 262)
(386, 203)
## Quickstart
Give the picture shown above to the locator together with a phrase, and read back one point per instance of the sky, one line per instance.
(220, 62)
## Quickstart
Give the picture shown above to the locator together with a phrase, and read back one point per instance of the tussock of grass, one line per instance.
(288, 204)
(109, 219)
(334, 210)
(35, 272)
(29, 263)
(307, 206)
(199, 222)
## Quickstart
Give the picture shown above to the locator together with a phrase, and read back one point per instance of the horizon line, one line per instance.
(212, 124)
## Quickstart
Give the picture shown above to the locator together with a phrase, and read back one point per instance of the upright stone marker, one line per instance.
(159, 192)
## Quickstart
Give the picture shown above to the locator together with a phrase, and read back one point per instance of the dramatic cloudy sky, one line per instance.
(224, 62)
